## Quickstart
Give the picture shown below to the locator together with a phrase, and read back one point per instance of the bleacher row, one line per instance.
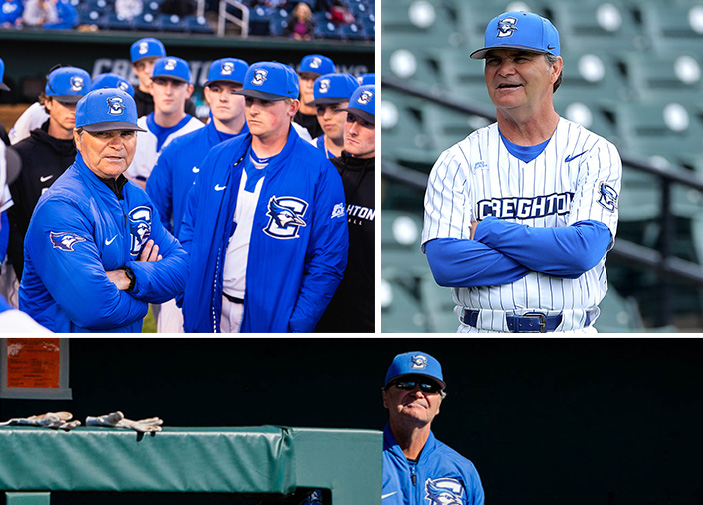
(632, 73)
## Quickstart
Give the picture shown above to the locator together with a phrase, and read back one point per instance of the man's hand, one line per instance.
(150, 252)
(118, 420)
(119, 278)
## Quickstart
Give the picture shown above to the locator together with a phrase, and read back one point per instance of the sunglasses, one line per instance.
(409, 385)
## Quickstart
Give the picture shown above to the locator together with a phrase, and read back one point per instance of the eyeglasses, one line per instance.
(409, 385)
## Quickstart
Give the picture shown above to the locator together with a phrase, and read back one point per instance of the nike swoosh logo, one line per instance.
(219, 188)
(572, 158)
(384, 496)
(196, 170)
(108, 242)
(44, 179)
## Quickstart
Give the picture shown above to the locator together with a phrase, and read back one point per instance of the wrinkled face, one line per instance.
(413, 405)
(359, 137)
(224, 104)
(331, 121)
(62, 114)
(306, 80)
(107, 154)
(143, 70)
(169, 94)
(269, 118)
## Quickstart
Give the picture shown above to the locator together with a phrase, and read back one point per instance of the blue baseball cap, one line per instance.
(367, 79)
(270, 80)
(316, 64)
(363, 103)
(107, 109)
(520, 30)
(173, 68)
(334, 88)
(3, 86)
(111, 80)
(147, 48)
(415, 363)
(228, 70)
(67, 84)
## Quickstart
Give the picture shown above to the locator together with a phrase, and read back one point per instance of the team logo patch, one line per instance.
(608, 197)
(418, 362)
(286, 217)
(365, 97)
(227, 68)
(115, 105)
(337, 211)
(64, 240)
(444, 491)
(143, 47)
(259, 77)
(480, 165)
(170, 64)
(139, 228)
(324, 85)
(506, 27)
(123, 86)
(316, 62)
(77, 83)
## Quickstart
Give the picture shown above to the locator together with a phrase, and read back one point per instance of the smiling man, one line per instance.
(417, 468)
(519, 215)
(96, 253)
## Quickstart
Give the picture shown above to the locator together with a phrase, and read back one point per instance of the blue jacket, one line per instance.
(175, 171)
(80, 230)
(439, 472)
(292, 272)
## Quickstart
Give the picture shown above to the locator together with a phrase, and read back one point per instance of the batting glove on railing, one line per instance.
(118, 420)
(54, 420)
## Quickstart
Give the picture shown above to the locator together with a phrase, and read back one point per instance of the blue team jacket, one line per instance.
(441, 475)
(176, 169)
(80, 230)
(293, 269)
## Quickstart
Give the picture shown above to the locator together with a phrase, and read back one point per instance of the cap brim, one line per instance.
(361, 113)
(13, 164)
(112, 126)
(4, 87)
(260, 94)
(172, 77)
(328, 100)
(67, 98)
(226, 81)
(481, 53)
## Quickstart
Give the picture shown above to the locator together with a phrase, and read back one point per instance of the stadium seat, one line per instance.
(446, 127)
(91, 17)
(418, 23)
(147, 22)
(672, 28)
(353, 32)
(461, 75)
(676, 75)
(197, 24)
(112, 21)
(401, 256)
(259, 18)
(278, 22)
(438, 306)
(593, 77)
(400, 311)
(618, 314)
(405, 139)
(586, 113)
(328, 30)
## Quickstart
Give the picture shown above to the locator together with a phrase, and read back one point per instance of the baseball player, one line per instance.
(312, 66)
(180, 161)
(265, 223)
(332, 92)
(418, 469)
(96, 253)
(170, 86)
(111, 80)
(520, 214)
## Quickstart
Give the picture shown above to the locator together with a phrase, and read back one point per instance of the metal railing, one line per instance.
(224, 17)
(667, 266)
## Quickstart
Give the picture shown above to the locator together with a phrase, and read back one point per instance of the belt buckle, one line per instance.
(542, 320)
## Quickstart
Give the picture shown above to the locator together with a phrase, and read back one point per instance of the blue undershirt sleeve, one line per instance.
(566, 251)
(464, 263)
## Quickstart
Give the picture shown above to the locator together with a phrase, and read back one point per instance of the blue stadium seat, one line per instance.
(171, 23)
(112, 21)
(90, 17)
(147, 22)
(259, 21)
(197, 24)
(328, 30)
(278, 22)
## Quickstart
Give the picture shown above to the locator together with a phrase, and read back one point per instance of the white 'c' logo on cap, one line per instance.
(76, 83)
(259, 77)
(418, 362)
(122, 85)
(143, 47)
(365, 97)
(170, 65)
(227, 68)
(506, 27)
(324, 85)
(115, 105)
(316, 62)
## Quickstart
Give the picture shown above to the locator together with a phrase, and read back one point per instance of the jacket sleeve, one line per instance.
(159, 186)
(327, 252)
(68, 263)
(159, 281)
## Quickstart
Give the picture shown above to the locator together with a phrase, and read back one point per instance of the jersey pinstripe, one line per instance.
(564, 184)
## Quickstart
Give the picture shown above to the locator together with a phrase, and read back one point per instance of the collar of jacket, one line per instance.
(98, 182)
(352, 163)
(390, 444)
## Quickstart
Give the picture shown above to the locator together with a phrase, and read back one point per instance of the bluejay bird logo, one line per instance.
(139, 228)
(324, 85)
(227, 68)
(418, 362)
(115, 105)
(64, 240)
(608, 197)
(286, 216)
(259, 76)
(506, 27)
(170, 64)
(365, 97)
(444, 491)
(77, 83)
(123, 85)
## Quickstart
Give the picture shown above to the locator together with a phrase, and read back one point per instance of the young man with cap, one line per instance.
(96, 252)
(110, 80)
(170, 86)
(520, 214)
(45, 154)
(144, 54)
(180, 161)
(312, 66)
(332, 92)
(265, 223)
(417, 468)
(356, 166)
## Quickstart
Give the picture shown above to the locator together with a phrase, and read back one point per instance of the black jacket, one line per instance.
(309, 122)
(44, 159)
(352, 307)
(145, 104)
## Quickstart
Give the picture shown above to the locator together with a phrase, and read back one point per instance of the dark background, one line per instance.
(600, 421)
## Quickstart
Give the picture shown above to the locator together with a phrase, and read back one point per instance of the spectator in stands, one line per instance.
(311, 67)
(67, 16)
(37, 13)
(129, 9)
(11, 14)
(300, 24)
(356, 166)
(332, 92)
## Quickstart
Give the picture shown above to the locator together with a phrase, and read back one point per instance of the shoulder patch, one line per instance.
(64, 240)
(608, 197)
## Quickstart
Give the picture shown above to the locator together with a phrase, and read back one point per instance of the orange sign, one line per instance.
(33, 362)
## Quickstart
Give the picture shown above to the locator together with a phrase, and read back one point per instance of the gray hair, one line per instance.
(551, 60)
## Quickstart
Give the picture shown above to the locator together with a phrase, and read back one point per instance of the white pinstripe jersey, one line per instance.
(568, 182)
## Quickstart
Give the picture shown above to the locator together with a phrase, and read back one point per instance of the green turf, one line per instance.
(149, 325)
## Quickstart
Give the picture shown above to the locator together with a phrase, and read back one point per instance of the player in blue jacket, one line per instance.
(265, 223)
(418, 469)
(96, 253)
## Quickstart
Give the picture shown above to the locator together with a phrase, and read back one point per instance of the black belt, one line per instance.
(531, 322)
(233, 299)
